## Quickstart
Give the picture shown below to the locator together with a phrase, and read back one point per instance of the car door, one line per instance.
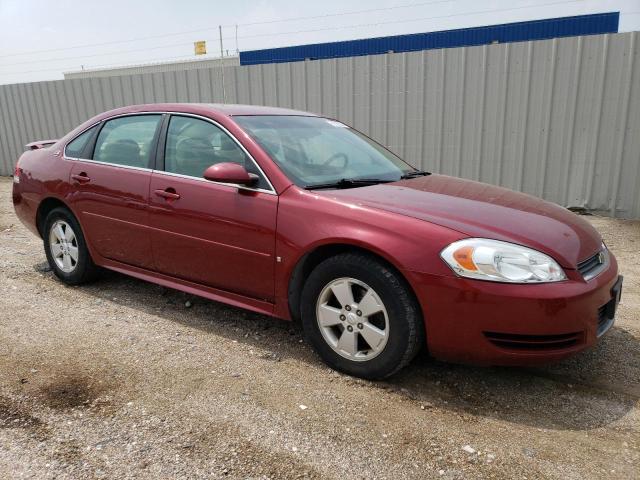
(111, 188)
(214, 234)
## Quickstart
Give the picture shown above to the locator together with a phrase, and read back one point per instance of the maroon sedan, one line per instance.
(302, 217)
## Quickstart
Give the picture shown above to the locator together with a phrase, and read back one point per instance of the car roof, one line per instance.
(225, 109)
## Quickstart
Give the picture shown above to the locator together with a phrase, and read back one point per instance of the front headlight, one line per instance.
(485, 259)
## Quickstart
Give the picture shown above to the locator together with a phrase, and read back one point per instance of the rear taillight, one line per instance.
(16, 174)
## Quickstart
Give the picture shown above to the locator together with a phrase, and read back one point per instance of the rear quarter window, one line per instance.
(76, 147)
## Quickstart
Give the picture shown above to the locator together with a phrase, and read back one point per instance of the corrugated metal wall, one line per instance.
(557, 118)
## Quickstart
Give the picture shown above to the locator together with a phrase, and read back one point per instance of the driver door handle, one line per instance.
(169, 194)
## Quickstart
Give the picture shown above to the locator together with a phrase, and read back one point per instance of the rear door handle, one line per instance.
(169, 194)
(81, 177)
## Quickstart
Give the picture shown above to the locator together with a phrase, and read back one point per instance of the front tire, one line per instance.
(360, 316)
(66, 248)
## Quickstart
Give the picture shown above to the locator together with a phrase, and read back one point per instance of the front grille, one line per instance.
(514, 341)
(593, 265)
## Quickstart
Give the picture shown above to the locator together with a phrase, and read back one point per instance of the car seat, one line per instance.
(122, 152)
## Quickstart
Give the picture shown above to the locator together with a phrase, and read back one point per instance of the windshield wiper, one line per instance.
(348, 182)
(414, 174)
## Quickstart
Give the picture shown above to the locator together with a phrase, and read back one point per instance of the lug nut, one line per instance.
(343, 318)
(347, 308)
(360, 326)
(359, 313)
(350, 328)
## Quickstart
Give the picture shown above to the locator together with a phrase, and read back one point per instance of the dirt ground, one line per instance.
(124, 379)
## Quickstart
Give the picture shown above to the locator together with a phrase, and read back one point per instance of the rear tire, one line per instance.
(360, 316)
(66, 248)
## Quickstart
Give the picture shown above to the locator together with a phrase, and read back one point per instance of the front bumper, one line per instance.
(489, 323)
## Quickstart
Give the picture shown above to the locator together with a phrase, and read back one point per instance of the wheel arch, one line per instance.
(46, 205)
(312, 258)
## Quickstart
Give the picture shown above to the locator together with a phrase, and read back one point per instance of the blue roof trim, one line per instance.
(592, 24)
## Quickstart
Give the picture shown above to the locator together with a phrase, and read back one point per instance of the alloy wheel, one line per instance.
(64, 246)
(352, 319)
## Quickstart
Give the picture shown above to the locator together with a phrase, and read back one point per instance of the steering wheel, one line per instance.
(336, 156)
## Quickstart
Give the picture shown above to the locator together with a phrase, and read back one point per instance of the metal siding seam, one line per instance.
(55, 91)
(262, 83)
(274, 90)
(192, 85)
(14, 120)
(369, 98)
(630, 174)
(410, 103)
(126, 87)
(32, 130)
(593, 138)
(87, 99)
(181, 86)
(635, 192)
(525, 115)
(108, 97)
(67, 102)
(296, 74)
(352, 68)
(622, 127)
(480, 128)
(97, 91)
(322, 98)
(459, 137)
(7, 161)
(25, 124)
(247, 82)
(113, 83)
(36, 109)
(440, 103)
(118, 87)
(572, 111)
(16, 148)
(505, 96)
(545, 161)
(336, 88)
(283, 89)
(386, 92)
(233, 84)
(41, 111)
(9, 116)
(289, 68)
(305, 87)
(47, 103)
(81, 101)
(422, 109)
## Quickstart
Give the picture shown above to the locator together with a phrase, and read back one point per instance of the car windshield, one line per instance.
(319, 152)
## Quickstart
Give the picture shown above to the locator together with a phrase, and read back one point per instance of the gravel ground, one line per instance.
(125, 379)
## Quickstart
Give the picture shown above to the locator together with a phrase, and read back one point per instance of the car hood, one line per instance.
(481, 210)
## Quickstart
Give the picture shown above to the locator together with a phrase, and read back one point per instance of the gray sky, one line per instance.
(37, 36)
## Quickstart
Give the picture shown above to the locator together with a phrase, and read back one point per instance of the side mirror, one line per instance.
(229, 172)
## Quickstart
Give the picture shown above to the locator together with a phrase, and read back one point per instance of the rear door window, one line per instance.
(127, 141)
